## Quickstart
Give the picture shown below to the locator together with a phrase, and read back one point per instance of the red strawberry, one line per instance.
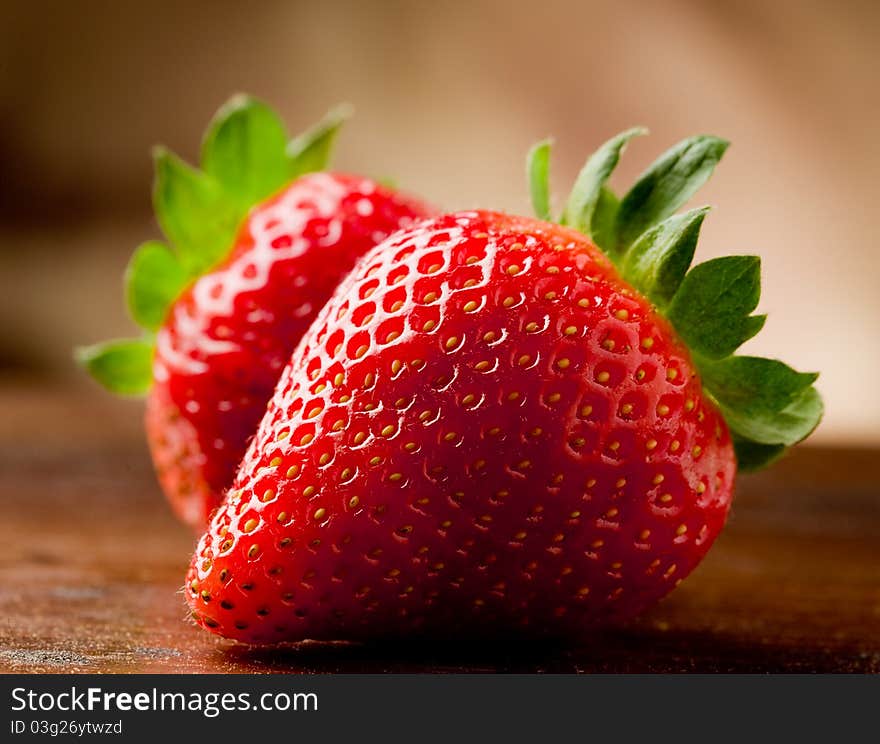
(493, 428)
(223, 336)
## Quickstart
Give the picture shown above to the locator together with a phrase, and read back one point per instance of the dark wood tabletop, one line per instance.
(92, 563)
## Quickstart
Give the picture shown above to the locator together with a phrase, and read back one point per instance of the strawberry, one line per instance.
(256, 256)
(497, 427)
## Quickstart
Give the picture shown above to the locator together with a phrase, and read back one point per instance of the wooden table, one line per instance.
(92, 563)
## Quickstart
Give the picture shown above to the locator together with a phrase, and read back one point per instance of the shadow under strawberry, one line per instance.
(643, 647)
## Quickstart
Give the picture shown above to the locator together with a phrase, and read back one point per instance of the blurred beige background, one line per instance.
(449, 96)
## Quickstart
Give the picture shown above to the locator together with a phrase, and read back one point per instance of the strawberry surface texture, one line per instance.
(485, 428)
(500, 425)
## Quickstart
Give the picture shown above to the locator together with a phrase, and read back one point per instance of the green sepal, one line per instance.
(711, 308)
(153, 279)
(764, 400)
(657, 262)
(789, 426)
(123, 366)
(751, 456)
(538, 173)
(310, 151)
(767, 405)
(665, 186)
(581, 207)
(752, 384)
(604, 217)
(245, 158)
(244, 150)
(195, 213)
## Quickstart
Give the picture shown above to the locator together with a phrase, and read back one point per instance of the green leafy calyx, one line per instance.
(767, 405)
(246, 156)
(123, 366)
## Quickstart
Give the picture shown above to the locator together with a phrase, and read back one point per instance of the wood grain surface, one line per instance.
(92, 563)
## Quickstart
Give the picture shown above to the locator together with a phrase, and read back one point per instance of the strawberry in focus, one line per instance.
(494, 427)
(227, 309)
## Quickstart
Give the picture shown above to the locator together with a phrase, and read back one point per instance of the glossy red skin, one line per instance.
(552, 500)
(227, 338)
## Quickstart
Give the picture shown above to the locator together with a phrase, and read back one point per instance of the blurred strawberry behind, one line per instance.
(448, 98)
